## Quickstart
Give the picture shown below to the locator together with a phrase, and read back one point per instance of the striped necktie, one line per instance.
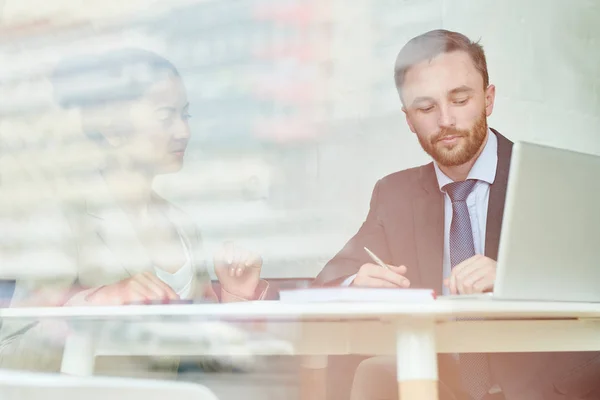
(474, 367)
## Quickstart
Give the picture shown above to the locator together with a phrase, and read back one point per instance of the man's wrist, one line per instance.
(349, 281)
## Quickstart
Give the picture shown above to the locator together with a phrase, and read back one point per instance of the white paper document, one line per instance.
(355, 294)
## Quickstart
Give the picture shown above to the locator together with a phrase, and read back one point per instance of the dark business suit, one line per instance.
(405, 226)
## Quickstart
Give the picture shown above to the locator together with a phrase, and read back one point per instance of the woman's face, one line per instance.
(158, 128)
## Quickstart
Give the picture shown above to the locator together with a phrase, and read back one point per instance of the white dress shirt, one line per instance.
(484, 170)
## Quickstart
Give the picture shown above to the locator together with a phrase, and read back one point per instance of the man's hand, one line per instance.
(238, 270)
(372, 275)
(141, 288)
(474, 275)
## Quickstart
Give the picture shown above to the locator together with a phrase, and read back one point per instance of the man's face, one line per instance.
(447, 107)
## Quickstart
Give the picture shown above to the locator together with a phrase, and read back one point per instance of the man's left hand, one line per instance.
(474, 275)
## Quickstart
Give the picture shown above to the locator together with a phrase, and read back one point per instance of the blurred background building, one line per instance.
(294, 111)
(295, 115)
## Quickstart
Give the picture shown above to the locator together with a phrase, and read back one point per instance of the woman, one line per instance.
(121, 243)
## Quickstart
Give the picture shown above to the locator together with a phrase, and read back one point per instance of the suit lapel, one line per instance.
(115, 230)
(185, 229)
(497, 197)
(428, 205)
(191, 237)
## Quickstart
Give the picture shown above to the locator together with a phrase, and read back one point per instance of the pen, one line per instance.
(377, 259)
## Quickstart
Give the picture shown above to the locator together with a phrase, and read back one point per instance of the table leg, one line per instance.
(79, 355)
(416, 358)
(313, 378)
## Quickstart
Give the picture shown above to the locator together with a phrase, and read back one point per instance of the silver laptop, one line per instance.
(550, 241)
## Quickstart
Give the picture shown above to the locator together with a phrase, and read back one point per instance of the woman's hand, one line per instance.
(238, 270)
(141, 288)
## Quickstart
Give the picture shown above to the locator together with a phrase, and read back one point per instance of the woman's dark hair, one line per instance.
(113, 76)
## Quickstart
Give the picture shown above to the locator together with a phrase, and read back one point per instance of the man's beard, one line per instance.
(460, 153)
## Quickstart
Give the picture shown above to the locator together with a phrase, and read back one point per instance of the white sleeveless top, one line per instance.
(181, 280)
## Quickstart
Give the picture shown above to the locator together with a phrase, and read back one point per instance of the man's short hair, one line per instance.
(433, 43)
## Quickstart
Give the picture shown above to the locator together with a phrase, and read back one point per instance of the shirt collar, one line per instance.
(484, 168)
